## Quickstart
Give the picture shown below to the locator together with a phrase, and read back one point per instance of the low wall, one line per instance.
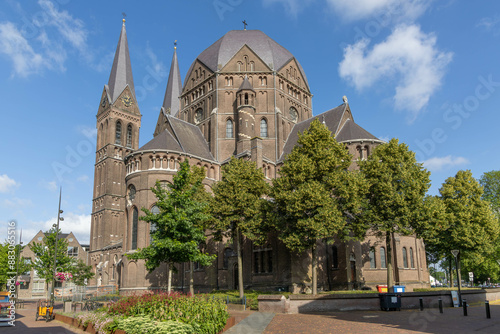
(90, 328)
(366, 301)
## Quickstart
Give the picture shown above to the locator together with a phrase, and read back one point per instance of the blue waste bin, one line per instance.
(398, 288)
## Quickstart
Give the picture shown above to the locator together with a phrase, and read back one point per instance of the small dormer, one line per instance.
(245, 96)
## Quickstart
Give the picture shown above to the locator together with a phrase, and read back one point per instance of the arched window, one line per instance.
(412, 263)
(228, 252)
(263, 128)
(335, 258)
(118, 133)
(131, 193)
(152, 227)
(372, 258)
(383, 261)
(229, 128)
(135, 220)
(129, 135)
(263, 259)
(405, 258)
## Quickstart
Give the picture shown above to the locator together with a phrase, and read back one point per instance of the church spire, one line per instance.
(171, 103)
(121, 72)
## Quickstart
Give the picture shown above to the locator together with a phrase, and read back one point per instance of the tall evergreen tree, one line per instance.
(236, 206)
(316, 197)
(397, 187)
(179, 226)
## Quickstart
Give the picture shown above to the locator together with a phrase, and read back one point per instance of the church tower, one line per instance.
(118, 123)
(171, 103)
(245, 109)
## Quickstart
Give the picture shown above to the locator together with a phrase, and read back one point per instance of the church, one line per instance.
(244, 96)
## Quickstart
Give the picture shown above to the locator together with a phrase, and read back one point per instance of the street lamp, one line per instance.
(59, 218)
(456, 254)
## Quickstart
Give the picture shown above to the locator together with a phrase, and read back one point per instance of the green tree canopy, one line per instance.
(81, 273)
(316, 197)
(236, 205)
(472, 227)
(491, 187)
(179, 226)
(397, 188)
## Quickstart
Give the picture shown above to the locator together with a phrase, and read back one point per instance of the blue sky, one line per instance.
(423, 71)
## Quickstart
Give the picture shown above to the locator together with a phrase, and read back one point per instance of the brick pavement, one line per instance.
(406, 321)
(26, 324)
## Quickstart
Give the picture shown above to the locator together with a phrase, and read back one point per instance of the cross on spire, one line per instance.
(175, 44)
(245, 24)
(124, 15)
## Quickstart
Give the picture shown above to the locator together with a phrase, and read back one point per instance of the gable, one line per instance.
(127, 102)
(197, 73)
(246, 60)
(292, 72)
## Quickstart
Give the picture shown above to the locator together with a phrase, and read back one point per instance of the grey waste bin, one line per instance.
(390, 301)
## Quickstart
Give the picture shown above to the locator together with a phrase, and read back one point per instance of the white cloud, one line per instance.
(439, 163)
(488, 23)
(17, 203)
(49, 185)
(6, 183)
(408, 56)
(16, 47)
(395, 10)
(83, 178)
(291, 6)
(78, 224)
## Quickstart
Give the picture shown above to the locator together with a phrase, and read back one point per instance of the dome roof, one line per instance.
(273, 54)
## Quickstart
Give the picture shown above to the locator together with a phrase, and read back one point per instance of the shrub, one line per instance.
(146, 325)
(103, 322)
(205, 315)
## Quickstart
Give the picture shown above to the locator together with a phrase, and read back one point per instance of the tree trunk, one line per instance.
(459, 274)
(390, 273)
(191, 284)
(451, 272)
(314, 271)
(240, 263)
(169, 284)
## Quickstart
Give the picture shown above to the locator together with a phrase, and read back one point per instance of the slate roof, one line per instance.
(273, 54)
(352, 131)
(121, 72)
(174, 87)
(246, 85)
(332, 118)
(180, 136)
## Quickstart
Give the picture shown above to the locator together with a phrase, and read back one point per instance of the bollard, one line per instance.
(488, 314)
(464, 304)
(440, 305)
(421, 300)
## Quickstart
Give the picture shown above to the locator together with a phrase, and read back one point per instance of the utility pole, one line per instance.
(59, 218)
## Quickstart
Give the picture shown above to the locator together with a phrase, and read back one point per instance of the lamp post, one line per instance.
(456, 254)
(59, 218)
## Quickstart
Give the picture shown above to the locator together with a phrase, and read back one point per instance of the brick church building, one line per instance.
(245, 96)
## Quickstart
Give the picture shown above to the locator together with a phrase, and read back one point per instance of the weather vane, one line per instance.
(175, 44)
(124, 15)
(245, 24)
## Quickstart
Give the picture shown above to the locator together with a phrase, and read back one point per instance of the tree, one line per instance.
(236, 206)
(81, 273)
(44, 256)
(472, 227)
(491, 186)
(316, 197)
(179, 226)
(397, 187)
(10, 261)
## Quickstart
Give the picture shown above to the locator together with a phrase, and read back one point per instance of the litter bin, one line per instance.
(398, 288)
(390, 301)
(382, 288)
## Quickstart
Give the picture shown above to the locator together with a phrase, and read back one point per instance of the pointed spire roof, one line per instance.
(121, 72)
(171, 103)
(245, 85)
